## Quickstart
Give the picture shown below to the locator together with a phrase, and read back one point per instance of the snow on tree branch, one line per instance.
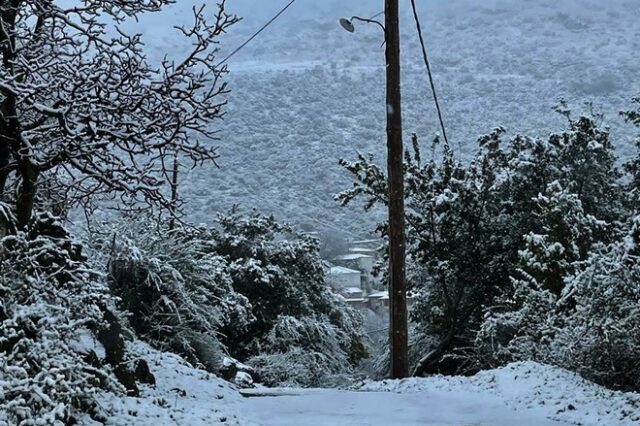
(80, 102)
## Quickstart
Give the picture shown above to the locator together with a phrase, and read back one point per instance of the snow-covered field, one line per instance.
(522, 394)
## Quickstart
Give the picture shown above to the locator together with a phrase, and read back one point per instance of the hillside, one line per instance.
(496, 63)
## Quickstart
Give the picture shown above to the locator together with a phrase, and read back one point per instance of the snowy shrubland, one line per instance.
(528, 252)
(247, 287)
(306, 93)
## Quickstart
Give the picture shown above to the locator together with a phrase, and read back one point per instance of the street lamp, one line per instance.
(398, 324)
(347, 24)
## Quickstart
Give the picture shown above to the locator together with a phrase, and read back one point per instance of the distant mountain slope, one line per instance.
(307, 93)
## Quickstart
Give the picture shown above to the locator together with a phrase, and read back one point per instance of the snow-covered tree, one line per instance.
(586, 165)
(478, 234)
(178, 293)
(633, 166)
(82, 108)
(281, 273)
(601, 336)
(549, 311)
(563, 236)
(591, 327)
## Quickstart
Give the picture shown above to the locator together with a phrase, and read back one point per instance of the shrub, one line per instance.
(51, 306)
(249, 287)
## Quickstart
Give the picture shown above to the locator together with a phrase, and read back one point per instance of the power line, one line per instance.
(428, 65)
(264, 27)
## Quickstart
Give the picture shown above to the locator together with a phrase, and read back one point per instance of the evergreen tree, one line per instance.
(510, 225)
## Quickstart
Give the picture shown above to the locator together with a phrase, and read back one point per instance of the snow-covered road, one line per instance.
(520, 394)
(325, 407)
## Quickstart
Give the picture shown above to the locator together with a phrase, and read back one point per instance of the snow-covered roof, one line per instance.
(351, 290)
(353, 256)
(340, 270)
(362, 250)
(379, 295)
(360, 242)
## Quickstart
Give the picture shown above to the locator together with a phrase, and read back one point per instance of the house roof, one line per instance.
(340, 270)
(379, 295)
(362, 250)
(353, 256)
(367, 242)
(352, 290)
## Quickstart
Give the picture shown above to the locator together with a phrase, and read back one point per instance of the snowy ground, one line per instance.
(523, 394)
(182, 396)
(438, 408)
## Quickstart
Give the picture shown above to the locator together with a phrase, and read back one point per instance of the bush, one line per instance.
(178, 294)
(601, 337)
(249, 287)
(304, 351)
(592, 327)
(51, 307)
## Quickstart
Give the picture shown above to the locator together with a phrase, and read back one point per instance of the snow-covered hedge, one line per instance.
(593, 327)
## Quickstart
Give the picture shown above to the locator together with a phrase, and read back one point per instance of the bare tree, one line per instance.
(80, 103)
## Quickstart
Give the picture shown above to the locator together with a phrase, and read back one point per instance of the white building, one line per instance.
(363, 262)
(364, 250)
(379, 301)
(339, 277)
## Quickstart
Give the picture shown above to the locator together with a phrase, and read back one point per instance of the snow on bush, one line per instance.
(601, 337)
(298, 318)
(249, 288)
(591, 327)
(177, 293)
(49, 300)
(302, 351)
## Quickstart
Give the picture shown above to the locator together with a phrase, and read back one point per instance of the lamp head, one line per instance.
(347, 25)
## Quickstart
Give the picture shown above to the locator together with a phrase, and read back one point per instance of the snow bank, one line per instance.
(183, 395)
(562, 395)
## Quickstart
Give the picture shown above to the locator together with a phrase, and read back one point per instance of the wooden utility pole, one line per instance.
(397, 282)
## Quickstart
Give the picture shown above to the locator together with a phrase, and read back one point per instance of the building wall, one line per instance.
(344, 280)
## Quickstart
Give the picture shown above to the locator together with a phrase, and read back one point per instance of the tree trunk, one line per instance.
(435, 355)
(27, 194)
